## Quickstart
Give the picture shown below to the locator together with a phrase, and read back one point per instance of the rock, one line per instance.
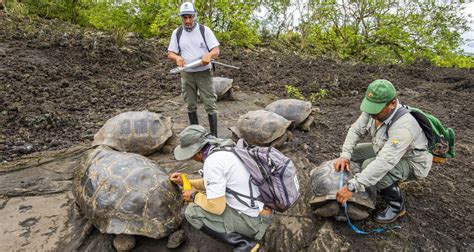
(23, 149)
(176, 239)
(40, 228)
(259, 103)
(54, 143)
(328, 240)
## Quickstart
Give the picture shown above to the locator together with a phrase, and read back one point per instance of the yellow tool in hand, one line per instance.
(186, 184)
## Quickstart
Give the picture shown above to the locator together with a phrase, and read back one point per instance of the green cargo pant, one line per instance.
(202, 81)
(364, 154)
(229, 222)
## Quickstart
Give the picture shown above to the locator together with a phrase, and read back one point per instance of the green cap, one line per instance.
(378, 94)
(191, 141)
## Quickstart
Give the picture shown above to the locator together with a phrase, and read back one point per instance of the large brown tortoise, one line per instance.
(263, 128)
(141, 132)
(297, 111)
(325, 182)
(126, 194)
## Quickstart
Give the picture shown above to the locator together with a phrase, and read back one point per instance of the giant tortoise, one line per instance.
(141, 132)
(223, 87)
(126, 194)
(325, 182)
(296, 111)
(263, 128)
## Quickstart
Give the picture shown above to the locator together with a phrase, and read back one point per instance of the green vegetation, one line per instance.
(294, 92)
(320, 95)
(382, 32)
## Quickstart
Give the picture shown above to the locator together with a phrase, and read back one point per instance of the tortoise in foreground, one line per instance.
(296, 111)
(263, 128)
(141, 132)
(325, 183)
(223, 87)
(126, 194)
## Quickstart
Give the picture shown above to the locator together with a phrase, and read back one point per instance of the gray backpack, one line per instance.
(272, 172)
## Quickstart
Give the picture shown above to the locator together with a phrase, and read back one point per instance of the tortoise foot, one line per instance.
(230, 94)
(306, 125)
(280, 141)
(176, 239)
(124, 243)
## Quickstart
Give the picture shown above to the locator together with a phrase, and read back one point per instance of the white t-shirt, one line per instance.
(193, 46)
(223, 170)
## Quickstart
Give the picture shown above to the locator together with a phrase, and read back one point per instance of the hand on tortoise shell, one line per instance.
(342, 195)
(175, 177)
(188, 195)
(342, 164)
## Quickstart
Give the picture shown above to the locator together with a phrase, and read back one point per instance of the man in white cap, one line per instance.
(191, 42)
(212, 210)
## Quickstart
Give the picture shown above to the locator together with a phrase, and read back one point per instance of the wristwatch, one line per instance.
(351, 187)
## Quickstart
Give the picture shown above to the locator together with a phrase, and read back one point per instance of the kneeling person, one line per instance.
(398, 151)
(215, 212)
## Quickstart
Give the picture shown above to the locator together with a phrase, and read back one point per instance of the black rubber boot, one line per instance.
(240, 242)
(193, 118)
(213, 123)
(396, 204)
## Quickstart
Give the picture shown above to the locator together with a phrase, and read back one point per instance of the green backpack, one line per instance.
(440, 139)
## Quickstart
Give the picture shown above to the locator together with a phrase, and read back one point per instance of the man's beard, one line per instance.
(192, 27)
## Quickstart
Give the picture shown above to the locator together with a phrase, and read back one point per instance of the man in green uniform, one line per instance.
(398, 151)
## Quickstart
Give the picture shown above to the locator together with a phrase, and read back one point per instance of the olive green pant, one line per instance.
(191, 83)
(364, 154)
(229, 221)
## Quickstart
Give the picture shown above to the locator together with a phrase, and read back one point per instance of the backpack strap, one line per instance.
(238, 195)
(202, 30)
(179, 32)
(399, 113)
(234, 193)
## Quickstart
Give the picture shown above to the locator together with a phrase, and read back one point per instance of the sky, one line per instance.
(468, 46)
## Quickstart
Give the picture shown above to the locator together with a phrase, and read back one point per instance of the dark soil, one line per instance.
(59, 83)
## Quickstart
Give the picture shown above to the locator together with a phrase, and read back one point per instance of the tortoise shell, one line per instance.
(126, 193)
(141, 132)
(291, 109)
(261, 127)
(325, 182)
(221, 85)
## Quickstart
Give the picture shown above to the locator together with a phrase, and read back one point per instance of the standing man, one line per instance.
(396, 153)
(191, 42)
(212, 209)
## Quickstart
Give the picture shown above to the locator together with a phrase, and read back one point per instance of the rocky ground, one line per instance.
(59, 83)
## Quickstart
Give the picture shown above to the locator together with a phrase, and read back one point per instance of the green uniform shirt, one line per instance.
(405, 140)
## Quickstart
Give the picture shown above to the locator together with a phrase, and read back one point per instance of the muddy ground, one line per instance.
(59, 84)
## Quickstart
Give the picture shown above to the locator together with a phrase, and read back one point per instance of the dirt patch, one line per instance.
(60, 83)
